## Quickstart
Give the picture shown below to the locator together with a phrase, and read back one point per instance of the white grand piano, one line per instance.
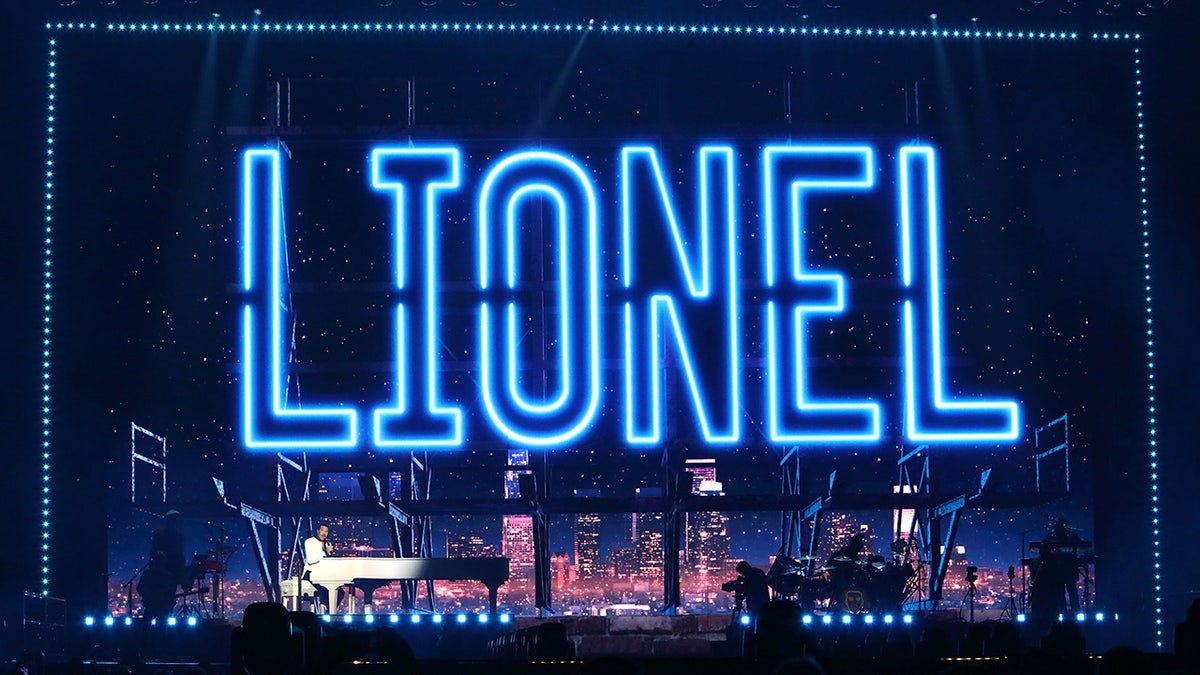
(369, 574)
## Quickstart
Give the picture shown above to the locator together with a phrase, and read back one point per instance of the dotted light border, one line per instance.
(602, 27)
(47, 288)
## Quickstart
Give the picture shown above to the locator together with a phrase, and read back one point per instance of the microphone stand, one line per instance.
(129, 590)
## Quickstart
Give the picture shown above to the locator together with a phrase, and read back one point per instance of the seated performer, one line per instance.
(317, 548)
(848, 553)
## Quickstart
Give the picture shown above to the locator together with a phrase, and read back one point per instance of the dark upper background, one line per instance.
(1171, 66)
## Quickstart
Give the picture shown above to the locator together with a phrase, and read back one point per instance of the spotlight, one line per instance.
(483, 618)
(108, 621)
(171, 621)
(128, 621)
(888, 619)
(1081, 617)
(933, 17)
(326, 618)
(505, 618)
(191, 621)
(437, 618)
(1020, 618)
(347, 618)
(827, 619)
(806, 619)
(89, 620)
(846, 619)
(461, 618)
(153, 622)
(257, 12)
(415, 618)
(907, 618)
(745, 620)
(1099, 616)
(868, 619)
(370, 618)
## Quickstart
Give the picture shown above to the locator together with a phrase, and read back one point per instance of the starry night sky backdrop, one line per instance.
(1040, 216)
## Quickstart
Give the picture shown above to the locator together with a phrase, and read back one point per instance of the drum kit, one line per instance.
(213, 562)
(848, 584)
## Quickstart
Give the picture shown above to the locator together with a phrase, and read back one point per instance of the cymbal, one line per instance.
(841, 558)
(878, 565)
(804, 558)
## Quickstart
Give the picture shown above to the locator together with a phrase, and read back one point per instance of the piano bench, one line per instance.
(293, 590)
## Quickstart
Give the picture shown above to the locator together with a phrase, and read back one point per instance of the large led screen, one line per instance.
(569, 248)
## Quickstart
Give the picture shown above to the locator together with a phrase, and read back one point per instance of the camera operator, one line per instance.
(749, 589)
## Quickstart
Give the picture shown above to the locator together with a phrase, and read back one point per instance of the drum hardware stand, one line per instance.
(1010, 607)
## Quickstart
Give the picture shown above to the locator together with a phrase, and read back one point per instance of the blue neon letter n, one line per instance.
(657, 249)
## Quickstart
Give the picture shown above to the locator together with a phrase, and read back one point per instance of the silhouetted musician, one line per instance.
(1056, 571)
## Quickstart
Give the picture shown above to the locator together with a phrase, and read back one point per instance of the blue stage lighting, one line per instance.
(1099, 616)
(171, 621)
(483, 618)
(347, 618)
(745, 620)
(1081, 617)
(89, 620)
(370, 618)
(505, 618)
(827, 619)
(847, 619)
(128, 621)
(461, 618)
(191, 621)
(907, 618)
(437, 618)
(415, 618)
(888, 619)
(1020, 618)
(868, 619)
(326, 618)
(108, 621)
(806, 619)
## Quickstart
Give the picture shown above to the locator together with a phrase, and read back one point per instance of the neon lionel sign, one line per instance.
(417, 179)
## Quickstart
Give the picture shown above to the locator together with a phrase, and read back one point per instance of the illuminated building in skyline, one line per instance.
(587, 540)
(468, 545)
(517, 542)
